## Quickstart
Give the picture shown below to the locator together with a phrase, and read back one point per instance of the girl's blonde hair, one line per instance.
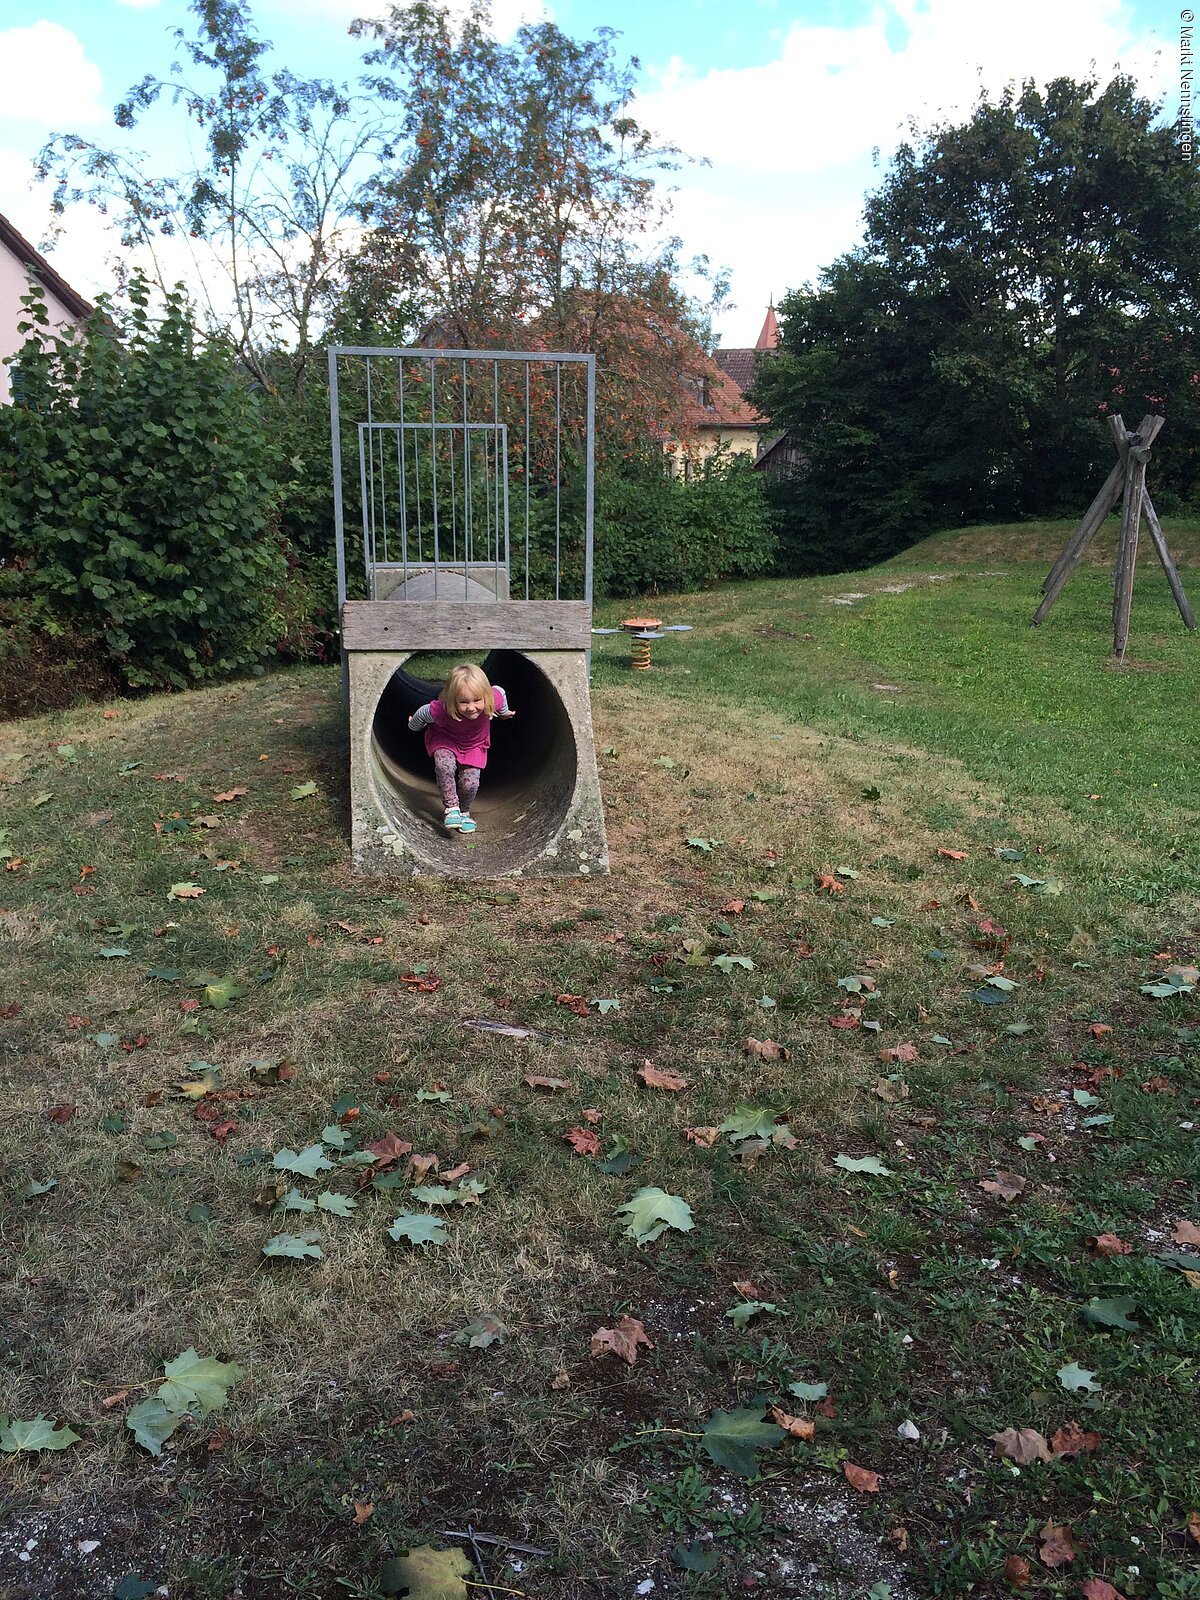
(466, 682)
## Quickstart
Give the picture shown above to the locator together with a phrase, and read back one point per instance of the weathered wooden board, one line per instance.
(464, 625)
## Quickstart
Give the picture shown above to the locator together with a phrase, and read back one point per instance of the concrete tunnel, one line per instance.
(527, 790)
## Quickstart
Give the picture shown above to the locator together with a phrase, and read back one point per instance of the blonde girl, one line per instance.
(458, 733)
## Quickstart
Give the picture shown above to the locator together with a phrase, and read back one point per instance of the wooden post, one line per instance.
(1131, 515)
(1168, 565)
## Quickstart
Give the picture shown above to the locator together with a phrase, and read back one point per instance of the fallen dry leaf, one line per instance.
(952, 855)
(704, 1137)
(1071, 1440)
(654, 1078)
(537, 1082)
(1057, 1548)
(218, 1439)
(734, 908)
(859, 1478)
(828, 884)
(899, 1537)
(402, 1419)
(584, 1141)
(899, 1052)
(388, 1149)
(1022, 1445)
(765, 1049)
(453, 1174)
(845, 1019)
(1006, 1186)
(419, 1167)
(1016, 1571)
(804, 950)
(60, 1114)
(230, 794)
(1193, 1526)
(1099, 1029)
(111, 1400)
(590, 1114)
(892, 1090)
(420, 983)
(798, 1428)
(1158, 1085)
(1185, 1233)
(1099, 1589)
(624, 1340)
(573, 1002)
(561, 1379)
(1107, 1244)
(362, 1510)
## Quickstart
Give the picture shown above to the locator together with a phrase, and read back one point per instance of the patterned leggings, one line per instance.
(458, 785)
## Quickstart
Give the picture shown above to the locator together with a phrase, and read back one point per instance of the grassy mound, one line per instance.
(890, 876)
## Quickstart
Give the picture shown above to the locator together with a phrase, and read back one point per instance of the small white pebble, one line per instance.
(645, 1586)
(909, 1430)
(1187, 1126)
(86, 1546)
(907, 1339)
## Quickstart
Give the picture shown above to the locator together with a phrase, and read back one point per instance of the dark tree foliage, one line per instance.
(1022, 276)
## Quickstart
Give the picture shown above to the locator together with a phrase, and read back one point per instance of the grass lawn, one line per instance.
(891, 877)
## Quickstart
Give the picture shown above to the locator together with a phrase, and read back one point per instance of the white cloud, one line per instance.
(45, 76)
(783, 138)
(139, 5)
(507, 15)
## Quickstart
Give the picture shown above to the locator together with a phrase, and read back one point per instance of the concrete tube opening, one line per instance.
(527, 787)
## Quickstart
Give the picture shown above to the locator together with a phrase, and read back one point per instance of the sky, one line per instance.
(791, 109)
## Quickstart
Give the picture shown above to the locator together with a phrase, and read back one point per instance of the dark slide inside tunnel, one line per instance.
(526, 788)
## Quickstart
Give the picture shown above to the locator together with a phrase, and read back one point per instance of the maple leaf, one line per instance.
(198, 1383)
(859, 1478)
(1006, 1186)
(893, 1090)
(1057, 1548)
(362, 1510)
(221, 1131)
(765, 1049)
(624, 1340)
(427, 1574)
(845, 1019)
(419, 1167)
(734, 908)
(827, 884)
(388, 1149)
(952, 855)
(572, 1002)
(652, 1211)
(733, 1439)
(536, 1082)
(899, 1052)
(1185, 1233)
(1071, 1440)
(230, 794)
(1108, 1244)
(704, 1137)
(796, 1427)
(60, 1114)
(1016, 1571)
(653, 1078)
(184, 891)
(584, 1141)
(1099, 1029)
(38, 1434)
(1158, 1085)
(1022, 1445)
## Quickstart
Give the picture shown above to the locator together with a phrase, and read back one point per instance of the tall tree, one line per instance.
(1022, 275)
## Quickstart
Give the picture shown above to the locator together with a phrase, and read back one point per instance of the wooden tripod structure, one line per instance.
(1127, 478)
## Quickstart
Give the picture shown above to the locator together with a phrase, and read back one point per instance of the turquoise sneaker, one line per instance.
(466, 823)
(453, 819)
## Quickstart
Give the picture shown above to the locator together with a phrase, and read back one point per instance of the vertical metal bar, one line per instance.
(501, 484)
(557, 480)
(466, 484)
(380, 431)
(437, 560)
(589, 482)
(363, 437)
(504, 481)
(339, 512)
(400, 453)
(369, 543)
(528, 473)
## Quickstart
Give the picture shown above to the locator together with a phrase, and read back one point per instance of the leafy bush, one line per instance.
(137, 495)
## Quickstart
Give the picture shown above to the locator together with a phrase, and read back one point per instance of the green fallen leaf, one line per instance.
(306, 1163)
(695, 1557)
(165, 974)
(1018, 1028)
(733, 1439)
(883, 922)
(808, 1391)
(114, 952)
(870, 1164)
(303, 790)
(605, 1006)
(105, 1040)
(651, 1212)
(749, 1122)
(200, 1212)
(727, 963)
(269, 877)
(335, 1136)
(427, 1574)
(1005, 985)
(131, 1587)
(295, 1245)
(989, 997)
(701, 844)
(422, 1230)
(222, 992)
(293, 1200)
(1075, 1377)
(43, 799)
(482, 1333)
(741, 1314)
(1111, 1313)
(41, 1433)
(845, 872)
(112, 1122)
(198, 1384)
(341, 1205)
(1006, 854)
(152, 1423)
(163, 1140)
(184, 891)
(937, 955)
(35, 1188)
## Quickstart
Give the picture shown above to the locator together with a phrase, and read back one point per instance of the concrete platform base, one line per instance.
(539, 811)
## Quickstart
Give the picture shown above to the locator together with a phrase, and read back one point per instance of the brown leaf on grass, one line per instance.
(892, 1090)
(561, 1379)
(590, 1114)
(1022, 1445)
(362, 1510)
(899, 1052)
(734, 908)
(419, 1167)
(845, 1019)
(1047, 1106)
(535, 1081)
(1193, 1526)
(1057, 1548)
(111, 1400)
(796, 1427)
(828, 884)
(1016, 1571)
(765, 1049)
(931, 905)
(1158, 1085)
(402, 1419)
(1185, 1233)
(218, 1439)
(230, 794)
(420, 983)
(189, 1005)
(1071, 1440)
(1099, 1029)
(60, 1114)
(584, 1141)
(14, 864)
(966, 898)
(1099, 1589)
(222, 1130)
(453, 1174)
(654, 1078)
(388, 1149)
(572, 1002)
(624, 1340)
(859, 1478)
(1108, 1244)
(747, 1287)
(1006, 1186)
(952, 855)
(704, 1137)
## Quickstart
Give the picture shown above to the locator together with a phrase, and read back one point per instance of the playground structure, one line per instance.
(472, 474)
(1128, 479)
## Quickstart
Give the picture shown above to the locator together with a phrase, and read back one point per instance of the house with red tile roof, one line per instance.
(718, 415)
(19, 263)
